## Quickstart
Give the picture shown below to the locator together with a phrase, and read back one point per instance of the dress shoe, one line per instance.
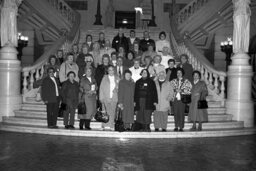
(71, 127)
(66, 126)
(156, 129)
(181, 130)
(193, 129)
(175, 129)
(163, 130)
(88, 128)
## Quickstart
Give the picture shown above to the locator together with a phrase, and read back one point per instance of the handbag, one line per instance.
(81, 108)
(101, 116)
(202, 103)
(119, 124)
(62, 109)
(186, 98)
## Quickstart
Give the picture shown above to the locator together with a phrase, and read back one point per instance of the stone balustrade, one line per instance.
(214, 79)
(64, 9)
(189, 10)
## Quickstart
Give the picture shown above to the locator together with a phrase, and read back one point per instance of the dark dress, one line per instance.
(101, 70)
(80, 61)
(199, 90)
(126, 97)
(145, 96)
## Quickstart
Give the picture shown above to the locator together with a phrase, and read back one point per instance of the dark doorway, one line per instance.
(125, 19)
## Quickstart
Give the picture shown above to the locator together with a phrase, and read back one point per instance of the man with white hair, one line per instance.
(165, 94)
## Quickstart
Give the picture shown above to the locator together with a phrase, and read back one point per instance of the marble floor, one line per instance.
(27, 152)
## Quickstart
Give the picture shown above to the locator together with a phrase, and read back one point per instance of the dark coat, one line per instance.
(188, 69)
(171, 73)
(80, 61)
(151, 94)
(120, 41)
(126, 97)
(144, 44)
(136, 40)
(48, 91)
(101, 70)
(70, 92)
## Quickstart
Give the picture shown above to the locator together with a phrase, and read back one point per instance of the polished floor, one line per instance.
(27, 152)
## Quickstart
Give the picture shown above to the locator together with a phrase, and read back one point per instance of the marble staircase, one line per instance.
(31, 118)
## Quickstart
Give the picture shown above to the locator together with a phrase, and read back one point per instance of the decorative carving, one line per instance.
(241, 33)
(9, 10)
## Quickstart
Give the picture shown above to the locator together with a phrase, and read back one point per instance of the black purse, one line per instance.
(119, 124)
(202, 103)
(62, 109)
(81, 106)
(101, 116)
(186, 98)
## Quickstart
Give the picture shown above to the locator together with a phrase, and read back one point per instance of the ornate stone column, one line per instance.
(152, 22)
(239, 102)
(10, 98)
(98, 15)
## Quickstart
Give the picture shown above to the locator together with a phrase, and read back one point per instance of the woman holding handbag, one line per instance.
(198, 106)
(108, 96)
(182, 94)
(88, 88)
(126, 99)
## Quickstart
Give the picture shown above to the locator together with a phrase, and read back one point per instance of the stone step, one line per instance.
(97, 125)
(127, 135)
(212, 117)
(41, 107)
(42, 114)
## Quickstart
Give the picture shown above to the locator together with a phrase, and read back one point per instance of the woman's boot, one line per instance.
(81, 123)
(193, 127)
(87, 124)
(200, 126)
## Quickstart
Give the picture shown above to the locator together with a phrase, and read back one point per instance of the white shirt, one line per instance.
(136, 73)
(132, 40)
(165, 60)
(89, 78)
(112, 85)
(119, 68)
(56, 86)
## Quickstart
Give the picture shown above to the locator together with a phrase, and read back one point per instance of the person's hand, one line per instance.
(134, 104)
(155, 104)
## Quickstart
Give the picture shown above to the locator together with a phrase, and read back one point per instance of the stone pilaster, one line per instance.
(239, 102)
(10, 69)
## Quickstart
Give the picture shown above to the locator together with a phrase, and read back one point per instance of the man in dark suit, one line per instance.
(50, 95)
(132, 39)
(146, 41)
(120, 40)
(120, 68)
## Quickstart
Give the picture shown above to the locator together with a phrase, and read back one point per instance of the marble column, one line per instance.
(152, 22)
(239, 102)
(10, 68)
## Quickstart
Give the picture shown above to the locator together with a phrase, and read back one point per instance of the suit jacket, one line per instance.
(122, 71)
(48, 91)
(144, 44)
(120, 41)
(137, 40)
(171, 73)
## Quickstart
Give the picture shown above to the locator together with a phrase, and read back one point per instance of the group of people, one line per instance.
(138, 76)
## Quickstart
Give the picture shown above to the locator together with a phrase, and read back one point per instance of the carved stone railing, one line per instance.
(64, 9)
(214, 79)
(35, 72)
(189, 10)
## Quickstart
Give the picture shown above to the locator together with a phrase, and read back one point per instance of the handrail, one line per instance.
(35, 72)
(189, 10)
(214, 79)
